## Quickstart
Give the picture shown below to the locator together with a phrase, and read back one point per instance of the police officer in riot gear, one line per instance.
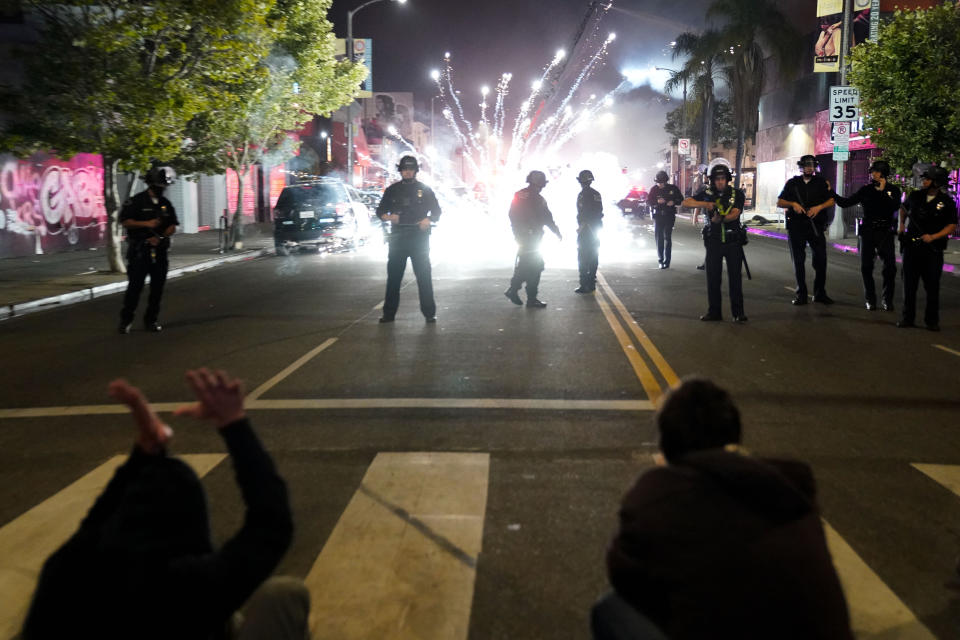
(881, 202)
(589, 223)
(529, 214)
(150, 220)
(806, 198)
(663, 200)
(410, 207)
(722, 239)
(933, 217)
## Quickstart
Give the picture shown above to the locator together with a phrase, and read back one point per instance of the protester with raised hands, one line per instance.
(142, 563)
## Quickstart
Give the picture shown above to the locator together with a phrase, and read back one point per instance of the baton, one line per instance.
(745, 265)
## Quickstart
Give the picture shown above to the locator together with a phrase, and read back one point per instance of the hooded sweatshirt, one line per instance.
(722, 545)
(142, 565)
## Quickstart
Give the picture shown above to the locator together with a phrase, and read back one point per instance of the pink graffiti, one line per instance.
(49, 196)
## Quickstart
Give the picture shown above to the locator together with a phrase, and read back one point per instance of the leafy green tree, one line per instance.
(909, 85)
(750, 31)
(723, 127)
(123, 78)
(703, 67)
(299, 79)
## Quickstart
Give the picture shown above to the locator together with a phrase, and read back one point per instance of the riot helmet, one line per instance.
(408, 162)
(585, 177)
(537, 178)
(720, 170)
(662, 177)
(882, 167)
(160, 177)
(937, 175)
(808, 160)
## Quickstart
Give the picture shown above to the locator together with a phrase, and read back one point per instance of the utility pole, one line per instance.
(838, 230)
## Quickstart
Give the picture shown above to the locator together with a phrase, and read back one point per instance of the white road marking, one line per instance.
(454, 403)
(379, 306)
(947, 475)
(401, 561)
(299, 362)
(83, 410)
(545, 404)
(875, 610)
(26, 542)
(947, 349)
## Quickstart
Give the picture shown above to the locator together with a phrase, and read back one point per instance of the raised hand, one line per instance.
(152, 433)
(219, 397)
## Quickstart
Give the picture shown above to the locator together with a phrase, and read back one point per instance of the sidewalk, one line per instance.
(34, 283)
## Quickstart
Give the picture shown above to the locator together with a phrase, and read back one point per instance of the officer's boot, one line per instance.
(512, 296)
(532, 301)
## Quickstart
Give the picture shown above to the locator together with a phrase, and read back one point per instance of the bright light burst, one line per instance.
(498, 159)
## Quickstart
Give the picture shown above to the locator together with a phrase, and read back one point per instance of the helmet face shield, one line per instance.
(585, 176)
(720, 171)
(160, 177)
(662, 177)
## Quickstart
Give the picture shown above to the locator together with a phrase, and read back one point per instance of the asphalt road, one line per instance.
(556, 397)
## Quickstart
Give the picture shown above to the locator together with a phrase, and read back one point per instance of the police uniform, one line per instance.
(143, 258)
(722, 242)
(921, 260)
(803, 230)
(413, 201)
(664, 217)
(876, 233)
(589, 223)
(528, 216)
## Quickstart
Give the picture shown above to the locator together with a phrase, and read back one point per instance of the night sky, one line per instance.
(488, 38)
(492, 37)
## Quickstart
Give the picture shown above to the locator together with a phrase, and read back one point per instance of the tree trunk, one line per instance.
(111, 202)
(741, 142)
(236, 225)
(707, 130)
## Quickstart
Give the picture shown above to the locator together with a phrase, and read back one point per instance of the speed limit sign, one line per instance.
(844, 104)
(683, 146)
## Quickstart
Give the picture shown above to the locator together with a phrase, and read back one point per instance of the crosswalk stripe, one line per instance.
(947, 475)
(26, 542)
(401, 561)
(875, 610)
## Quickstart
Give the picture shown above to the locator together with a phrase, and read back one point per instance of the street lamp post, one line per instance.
(349, 44)
(683, 126)
(326, 139)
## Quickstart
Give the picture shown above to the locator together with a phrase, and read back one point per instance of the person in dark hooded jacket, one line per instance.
(142, 564)
(716, 543)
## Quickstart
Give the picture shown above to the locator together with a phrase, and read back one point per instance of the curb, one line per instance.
(18, 309)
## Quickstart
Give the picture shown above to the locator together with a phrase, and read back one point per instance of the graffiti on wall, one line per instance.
(48, 204)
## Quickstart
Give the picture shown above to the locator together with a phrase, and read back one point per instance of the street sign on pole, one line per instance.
(841, 136)
(683, 146)
(840, 156)
(844, 104)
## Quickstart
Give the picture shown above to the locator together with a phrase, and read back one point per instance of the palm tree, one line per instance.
(704, 65)
(751, 31)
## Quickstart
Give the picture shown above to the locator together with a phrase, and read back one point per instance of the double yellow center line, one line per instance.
(611, 306)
